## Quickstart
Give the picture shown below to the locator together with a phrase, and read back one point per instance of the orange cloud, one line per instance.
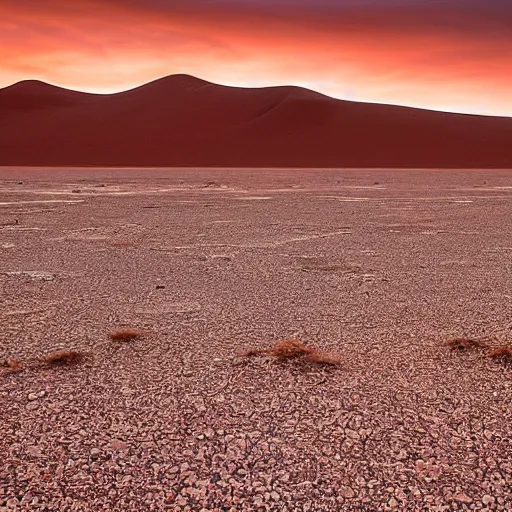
(403, 56)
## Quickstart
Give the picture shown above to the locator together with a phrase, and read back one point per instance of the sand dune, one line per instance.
(183, 121)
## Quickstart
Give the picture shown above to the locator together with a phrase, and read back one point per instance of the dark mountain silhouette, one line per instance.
(184, 121)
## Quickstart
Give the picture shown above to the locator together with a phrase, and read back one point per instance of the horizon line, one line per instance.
(95, 92)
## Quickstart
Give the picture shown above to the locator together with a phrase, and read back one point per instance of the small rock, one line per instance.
(347, 492)
(95, 452)
(160, 287)
(463, 498)
(118, 445)
(352, 433)
(222, 257)
(393, 503)
(34, 451)
(32, 396)
(12, 503)
(487, 500)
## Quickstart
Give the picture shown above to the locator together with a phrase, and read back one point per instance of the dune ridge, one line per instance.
(181, 120)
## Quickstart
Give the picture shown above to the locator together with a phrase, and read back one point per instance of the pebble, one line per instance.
(117, 445)
(95, 452)
(487, 500)
(463, 498)
(34, 451)
(12, 503)
(393, 503)
(347, 492)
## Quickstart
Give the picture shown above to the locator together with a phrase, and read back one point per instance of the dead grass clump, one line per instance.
(323, 358)
(11, 366)
(501, 354)
(125, 335)
(64, 358)
(463, 344)
(294, 349)
(289, 349)
(253, 352)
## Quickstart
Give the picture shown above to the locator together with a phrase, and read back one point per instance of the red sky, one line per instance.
(453, 55)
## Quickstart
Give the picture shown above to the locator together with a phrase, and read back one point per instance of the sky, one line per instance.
(450, 55)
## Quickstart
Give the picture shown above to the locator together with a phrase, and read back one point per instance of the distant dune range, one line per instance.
(183, 121)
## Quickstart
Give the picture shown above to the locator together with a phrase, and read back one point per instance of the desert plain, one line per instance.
(378, 266)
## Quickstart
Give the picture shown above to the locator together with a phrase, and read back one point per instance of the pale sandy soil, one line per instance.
(380, 266)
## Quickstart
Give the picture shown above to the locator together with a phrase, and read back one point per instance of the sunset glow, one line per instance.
(443, 55)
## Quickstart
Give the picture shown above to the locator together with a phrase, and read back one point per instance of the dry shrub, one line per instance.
(64, 358)
(501, 354)
(323, 358)
(253, 352)
(11, 366)
(289, 349)
(126, 335)
(463, 344)
(294, 349)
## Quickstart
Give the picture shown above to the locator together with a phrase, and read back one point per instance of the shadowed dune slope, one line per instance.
(183, 121)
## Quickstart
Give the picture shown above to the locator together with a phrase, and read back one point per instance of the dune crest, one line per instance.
(181, 120)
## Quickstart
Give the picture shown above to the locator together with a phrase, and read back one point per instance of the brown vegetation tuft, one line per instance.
(502, 354)
(125, 335)
(294, 349)
(323, 358)
(463, 344)
(12, 366)
(289, 349)
(64, 358)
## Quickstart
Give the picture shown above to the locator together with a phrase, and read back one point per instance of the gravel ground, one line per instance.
(378, 266)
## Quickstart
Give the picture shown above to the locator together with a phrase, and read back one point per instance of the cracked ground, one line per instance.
(380, 267)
